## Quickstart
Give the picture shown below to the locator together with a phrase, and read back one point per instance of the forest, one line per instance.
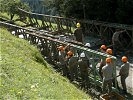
(114, 11)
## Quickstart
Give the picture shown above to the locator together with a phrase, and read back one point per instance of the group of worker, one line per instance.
(73, 64)
(106, 70)
(70, 63)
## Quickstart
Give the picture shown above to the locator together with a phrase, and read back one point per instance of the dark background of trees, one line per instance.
(116, 11)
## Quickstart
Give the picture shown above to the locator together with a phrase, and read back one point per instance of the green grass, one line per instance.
(7, 17)
(24, 75)
(4, 16)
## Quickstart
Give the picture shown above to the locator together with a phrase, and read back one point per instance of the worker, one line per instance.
(124, 72)
(62, 63)
(88, 45)
(103, 48)
(87, 56)
(107, 71)
(116, 40)
(83, 66)
(109, 51)
(102, 62)
(72, 65)
(54, 54)
(78, 33)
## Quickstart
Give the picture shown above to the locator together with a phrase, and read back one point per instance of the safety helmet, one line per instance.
(69, 53)
(109, 51)
(88, 45)
(78, 25)
(60, 48)
(124, 59)
(82, 54)
(103, 47)
(108, 60)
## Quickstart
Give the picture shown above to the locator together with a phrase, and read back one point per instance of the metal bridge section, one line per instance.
(94, 28)
(48, 44)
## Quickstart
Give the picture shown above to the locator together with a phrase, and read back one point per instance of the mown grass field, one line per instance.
(24, 75)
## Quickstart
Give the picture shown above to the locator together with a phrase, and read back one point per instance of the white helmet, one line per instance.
(87, 45)
(82, 54)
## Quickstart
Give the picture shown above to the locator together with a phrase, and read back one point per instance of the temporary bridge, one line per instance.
(44, 30)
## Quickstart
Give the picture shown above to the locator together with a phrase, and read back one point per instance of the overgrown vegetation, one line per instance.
(11, 7)
(25, 75)
(118, 11)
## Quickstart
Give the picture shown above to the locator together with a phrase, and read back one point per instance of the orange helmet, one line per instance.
(69, 53)
(109, 51)
(108, 60)
(124, 59)
(60, 48)
(103, 47)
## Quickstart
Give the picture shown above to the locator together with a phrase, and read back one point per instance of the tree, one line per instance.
(73, 8)
(54, 7)
(124, 11)
(11, 7)
(118, 11)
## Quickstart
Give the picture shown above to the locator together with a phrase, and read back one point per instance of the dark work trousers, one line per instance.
(83, 63)
(85, 79)
(73, 72)
(116, 84)
(100, 70)
(65, 70)
(105, 84)
(123, 83)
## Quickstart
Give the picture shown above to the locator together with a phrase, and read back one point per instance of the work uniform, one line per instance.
(62, 63)
(54, 53)
(115, 37)
(78, 33)
(124, 72)
(73, 65)
(84, 66)
(102, 63)
(107, 71)
(115, 40)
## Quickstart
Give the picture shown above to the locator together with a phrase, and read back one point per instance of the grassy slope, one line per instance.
(25, 75)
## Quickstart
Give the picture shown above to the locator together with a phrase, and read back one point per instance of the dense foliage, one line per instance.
(119, 11)
(36, 6)
(11, 7)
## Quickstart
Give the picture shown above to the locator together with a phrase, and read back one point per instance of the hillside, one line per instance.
(25, 75)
